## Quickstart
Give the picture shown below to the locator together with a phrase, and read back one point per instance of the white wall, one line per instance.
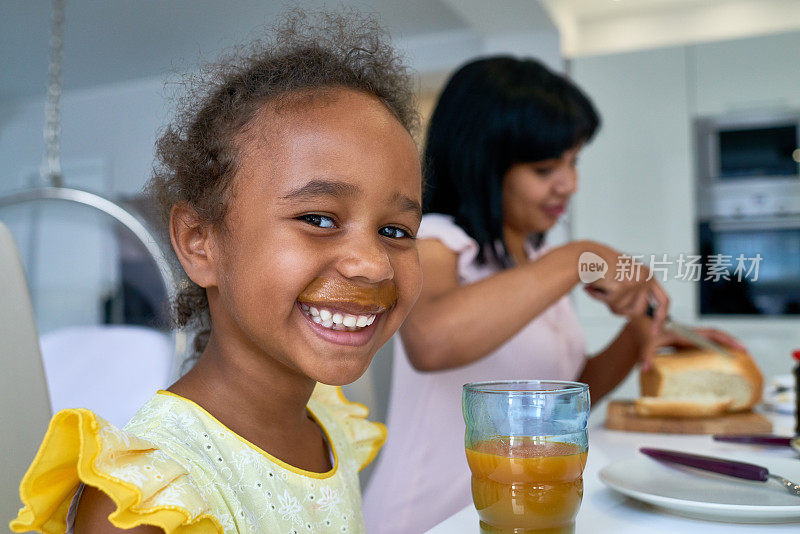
(636, 181)
(542, 45)
(111, 127)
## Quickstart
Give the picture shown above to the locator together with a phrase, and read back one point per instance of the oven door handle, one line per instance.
(772, 222)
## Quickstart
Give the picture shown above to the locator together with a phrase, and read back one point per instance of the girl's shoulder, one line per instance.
(148, 485)
(176, 467)
(348, 421)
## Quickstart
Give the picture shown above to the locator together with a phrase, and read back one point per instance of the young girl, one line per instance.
(292, 190)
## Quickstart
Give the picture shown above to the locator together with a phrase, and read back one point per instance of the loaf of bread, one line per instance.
(699, 383)
(694, 406)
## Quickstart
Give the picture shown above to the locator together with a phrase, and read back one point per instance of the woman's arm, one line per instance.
(607, 369)
(453, 325)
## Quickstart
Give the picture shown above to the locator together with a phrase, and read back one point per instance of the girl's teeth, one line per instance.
(337, 320)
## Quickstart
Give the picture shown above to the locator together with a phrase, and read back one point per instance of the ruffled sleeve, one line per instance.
(444, 229)
(366, 437)
(147, 485)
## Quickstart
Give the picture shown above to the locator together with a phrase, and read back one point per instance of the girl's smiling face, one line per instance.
(316, 266)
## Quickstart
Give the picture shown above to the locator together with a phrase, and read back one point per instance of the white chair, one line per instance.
(109, 369)
(24, 404)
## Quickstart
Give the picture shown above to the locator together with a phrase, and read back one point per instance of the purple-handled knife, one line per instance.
(760, 439)
(721, 466)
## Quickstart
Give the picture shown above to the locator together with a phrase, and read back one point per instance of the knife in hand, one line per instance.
(688, 332)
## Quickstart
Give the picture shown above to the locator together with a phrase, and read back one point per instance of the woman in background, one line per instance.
(500, 165)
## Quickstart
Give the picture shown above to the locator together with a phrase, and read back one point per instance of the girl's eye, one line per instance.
(394, 232)
(318, 220)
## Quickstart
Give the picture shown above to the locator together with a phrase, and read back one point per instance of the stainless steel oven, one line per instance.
(736, 148)
(768, 282)
(748, 207)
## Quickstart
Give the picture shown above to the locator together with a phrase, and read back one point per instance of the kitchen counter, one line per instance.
(604, 510)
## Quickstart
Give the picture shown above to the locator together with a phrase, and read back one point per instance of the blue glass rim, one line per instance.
(505, 387)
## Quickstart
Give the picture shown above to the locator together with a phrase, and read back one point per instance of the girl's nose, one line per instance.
(365, 259)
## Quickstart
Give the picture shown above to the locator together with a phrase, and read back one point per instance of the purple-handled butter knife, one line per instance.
(721, 466)
(760, 439)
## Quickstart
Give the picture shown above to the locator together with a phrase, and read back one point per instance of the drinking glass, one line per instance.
(526, 445)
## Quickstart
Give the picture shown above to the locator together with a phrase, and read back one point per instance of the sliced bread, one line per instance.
(684, 375)
(692, 406)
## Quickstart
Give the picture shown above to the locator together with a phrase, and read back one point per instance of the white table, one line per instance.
(605, 511)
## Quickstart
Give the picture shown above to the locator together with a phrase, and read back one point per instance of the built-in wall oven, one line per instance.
(748, 207)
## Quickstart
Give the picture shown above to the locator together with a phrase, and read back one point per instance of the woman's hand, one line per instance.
(650, 342)
(630, 293)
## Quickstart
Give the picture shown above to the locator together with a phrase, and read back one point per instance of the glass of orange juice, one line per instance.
(526, 446)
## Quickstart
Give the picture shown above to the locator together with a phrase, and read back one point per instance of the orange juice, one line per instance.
(524, 484)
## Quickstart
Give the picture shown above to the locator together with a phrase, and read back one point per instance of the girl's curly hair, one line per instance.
(196, 155)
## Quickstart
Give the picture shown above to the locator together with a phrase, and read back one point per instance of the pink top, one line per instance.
(421, 476)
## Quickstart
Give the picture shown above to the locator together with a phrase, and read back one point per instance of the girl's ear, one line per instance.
(193, 242)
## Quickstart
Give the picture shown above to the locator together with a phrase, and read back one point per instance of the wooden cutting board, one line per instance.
(622, 416)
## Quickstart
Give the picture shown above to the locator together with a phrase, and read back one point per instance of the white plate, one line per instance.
(702, 495)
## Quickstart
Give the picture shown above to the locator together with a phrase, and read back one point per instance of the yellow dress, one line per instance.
(176, 467)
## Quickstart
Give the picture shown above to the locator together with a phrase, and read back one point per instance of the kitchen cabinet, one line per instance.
(757, 73)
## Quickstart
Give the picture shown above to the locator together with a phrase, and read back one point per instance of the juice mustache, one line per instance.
(332, 292)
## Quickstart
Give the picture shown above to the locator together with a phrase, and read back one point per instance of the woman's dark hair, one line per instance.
(493, 113)
(196, 155)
